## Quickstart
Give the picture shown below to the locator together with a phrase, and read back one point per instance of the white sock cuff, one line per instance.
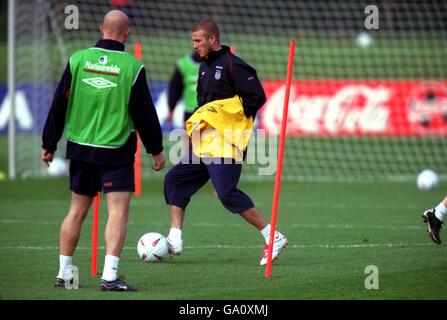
(266, 231)
(112, 260)
(175, 234)
(440, 211)
(110, 271)
(64, 263)
(66, 260)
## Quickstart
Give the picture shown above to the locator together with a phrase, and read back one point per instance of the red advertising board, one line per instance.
(358, 108)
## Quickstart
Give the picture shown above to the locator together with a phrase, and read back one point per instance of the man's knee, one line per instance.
(227, 198)
(76, 216)
(234, 200)
(171, 182)
(118, 216)
(79, 208)
(80, 202)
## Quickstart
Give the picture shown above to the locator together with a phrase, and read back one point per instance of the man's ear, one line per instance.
(213, 40)
(101, 29)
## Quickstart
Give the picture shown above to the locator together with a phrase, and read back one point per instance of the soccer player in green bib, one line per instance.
(183, 84)
(100, 101)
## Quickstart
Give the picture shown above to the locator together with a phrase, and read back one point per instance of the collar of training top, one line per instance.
(110, 45)
(213, 55)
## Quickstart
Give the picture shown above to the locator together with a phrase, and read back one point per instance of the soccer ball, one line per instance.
(152, 247)
(427, 180)
(58, 168)
(364, 40)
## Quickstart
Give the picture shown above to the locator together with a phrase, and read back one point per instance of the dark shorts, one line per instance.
(185, 179)
(89, 179)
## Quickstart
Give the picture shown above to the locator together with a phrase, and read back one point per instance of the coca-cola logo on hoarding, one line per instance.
(351, 109)
(358, 107)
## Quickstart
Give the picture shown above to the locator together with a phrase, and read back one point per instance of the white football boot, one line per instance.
(175, 247)
(279, 243)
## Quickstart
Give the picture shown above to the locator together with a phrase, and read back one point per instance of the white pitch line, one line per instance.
(59, 222)
(12, 221)
(350, 226)
(296, 246)
(295, 205)
(233, 225)
(151, 203)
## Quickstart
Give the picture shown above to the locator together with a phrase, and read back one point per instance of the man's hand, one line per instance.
(47, 156)
(159, 161)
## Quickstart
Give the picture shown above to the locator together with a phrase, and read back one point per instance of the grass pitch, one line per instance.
(335, 231)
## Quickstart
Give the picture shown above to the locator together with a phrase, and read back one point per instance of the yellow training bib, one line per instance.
(220, 129)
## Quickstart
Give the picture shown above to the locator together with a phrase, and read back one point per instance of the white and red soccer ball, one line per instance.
(152, 247)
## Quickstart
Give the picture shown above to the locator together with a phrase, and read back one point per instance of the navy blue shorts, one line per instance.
(89, 179)
(185, 179)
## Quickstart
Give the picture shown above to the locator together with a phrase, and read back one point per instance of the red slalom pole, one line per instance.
(138, 53)
(95, 234)
(138, 50)
(280, 158)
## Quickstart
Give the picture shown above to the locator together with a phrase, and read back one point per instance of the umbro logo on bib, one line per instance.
(99, 83)
(103, 60)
